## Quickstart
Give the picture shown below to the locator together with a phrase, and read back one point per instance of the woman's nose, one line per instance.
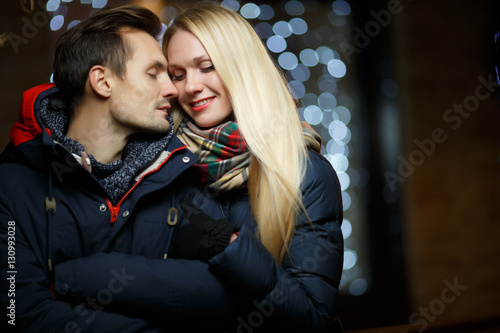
(193, 84)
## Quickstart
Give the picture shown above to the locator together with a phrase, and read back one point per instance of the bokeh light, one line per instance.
(73, 23)
(301, 73)
(99, 3)
(297, 88)
(325, 54)
(264, 30)
(276, 44)
(53, 5)
(282, 28)
(250, 11)
(231, 4)
(350, 259)
(313, 114)
(294, 8)
(287, 60)
(358, 287)
(340, 7)
(337, 68)
(327, 101)
(266, 12)
(309, 57)
(57, 22)
(298, 25)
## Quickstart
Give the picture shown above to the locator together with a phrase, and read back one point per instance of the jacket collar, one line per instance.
(29, 125)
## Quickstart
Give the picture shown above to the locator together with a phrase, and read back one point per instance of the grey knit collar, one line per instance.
(116, 177)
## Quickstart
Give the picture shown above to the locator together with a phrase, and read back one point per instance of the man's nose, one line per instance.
(168, 88)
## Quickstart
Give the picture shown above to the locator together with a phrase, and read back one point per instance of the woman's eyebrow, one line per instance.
(195, 60)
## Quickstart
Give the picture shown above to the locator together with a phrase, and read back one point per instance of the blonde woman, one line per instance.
(239, 117)
(258, 247)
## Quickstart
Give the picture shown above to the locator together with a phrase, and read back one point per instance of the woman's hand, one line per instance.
(200, 237)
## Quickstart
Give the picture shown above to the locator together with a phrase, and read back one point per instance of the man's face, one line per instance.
(140, 101)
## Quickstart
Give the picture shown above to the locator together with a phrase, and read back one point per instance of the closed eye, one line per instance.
(208, 69)
(175, 78)
(152, 72)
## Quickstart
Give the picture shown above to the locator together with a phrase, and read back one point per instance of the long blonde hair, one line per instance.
(266, 114)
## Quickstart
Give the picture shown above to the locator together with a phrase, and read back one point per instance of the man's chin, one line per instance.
(153, 132)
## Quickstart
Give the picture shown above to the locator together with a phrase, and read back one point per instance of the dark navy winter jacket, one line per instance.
(53, 210)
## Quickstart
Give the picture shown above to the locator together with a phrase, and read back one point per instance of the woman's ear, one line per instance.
(99, 77)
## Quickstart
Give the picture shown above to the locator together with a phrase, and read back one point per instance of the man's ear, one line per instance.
(99, 77)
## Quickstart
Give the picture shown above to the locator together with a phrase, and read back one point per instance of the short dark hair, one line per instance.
(97, 40)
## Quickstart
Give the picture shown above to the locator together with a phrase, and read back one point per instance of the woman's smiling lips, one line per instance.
(202, 104)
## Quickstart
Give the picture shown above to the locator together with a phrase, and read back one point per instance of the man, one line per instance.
(93, 166)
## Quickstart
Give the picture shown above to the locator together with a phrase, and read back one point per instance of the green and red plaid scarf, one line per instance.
(223, 153)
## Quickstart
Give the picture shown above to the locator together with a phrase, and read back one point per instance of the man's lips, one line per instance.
(201, 104)
(165, 108)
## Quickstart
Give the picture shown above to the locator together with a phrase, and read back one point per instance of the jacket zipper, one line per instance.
(114, 210)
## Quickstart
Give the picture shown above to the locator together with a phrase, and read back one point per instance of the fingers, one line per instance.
(86, 161)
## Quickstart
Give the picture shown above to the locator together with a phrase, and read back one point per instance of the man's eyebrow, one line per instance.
(157, 64)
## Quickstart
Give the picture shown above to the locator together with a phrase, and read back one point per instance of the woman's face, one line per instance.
(201, 92)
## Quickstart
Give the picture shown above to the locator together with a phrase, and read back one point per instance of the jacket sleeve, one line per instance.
(27, 300)
(168, 290)
(299, 295)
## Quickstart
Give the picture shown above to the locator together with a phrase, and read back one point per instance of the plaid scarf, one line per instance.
(223, 153)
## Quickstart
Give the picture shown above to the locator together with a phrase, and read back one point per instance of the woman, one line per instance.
(279, 251)
(242, 119)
